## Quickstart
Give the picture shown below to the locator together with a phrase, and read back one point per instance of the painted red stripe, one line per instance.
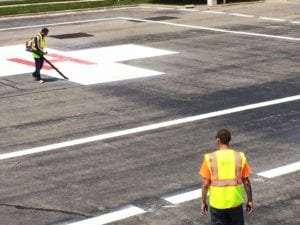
(28, 63)
(61, 58)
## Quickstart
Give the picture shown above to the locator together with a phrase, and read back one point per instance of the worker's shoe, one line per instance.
(41, 81)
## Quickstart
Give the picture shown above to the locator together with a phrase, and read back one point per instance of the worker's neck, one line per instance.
(223, 147)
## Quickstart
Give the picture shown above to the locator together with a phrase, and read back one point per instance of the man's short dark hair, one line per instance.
(45, 30)
(224, 136)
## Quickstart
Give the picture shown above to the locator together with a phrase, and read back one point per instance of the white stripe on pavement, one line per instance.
(57, 24)
(183, 197)
(49, 3)
(214, 29)
(241, 15)
(146, 128)
(281, 170)
(272, 19)
(214, 12)
(123, 213)
(196, 194)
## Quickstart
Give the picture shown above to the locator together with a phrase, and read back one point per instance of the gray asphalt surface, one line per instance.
(211, 72)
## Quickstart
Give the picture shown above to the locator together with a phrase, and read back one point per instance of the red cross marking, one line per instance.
(28, 63)
(61, 58)
(55, 58)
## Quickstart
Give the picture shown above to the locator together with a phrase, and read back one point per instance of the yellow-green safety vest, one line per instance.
(42, 45)
(226, 188)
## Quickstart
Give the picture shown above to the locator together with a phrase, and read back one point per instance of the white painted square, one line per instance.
(107, 63)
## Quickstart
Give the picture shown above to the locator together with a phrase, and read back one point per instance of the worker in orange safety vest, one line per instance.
(225, 174)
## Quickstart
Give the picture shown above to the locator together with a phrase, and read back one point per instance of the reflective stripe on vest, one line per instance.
(213, 163)
(224, 183)
(216, 181)
(226, 188)
(41, 43)
(238, 165)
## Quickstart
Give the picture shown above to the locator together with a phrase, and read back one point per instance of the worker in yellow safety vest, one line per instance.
(39, 44)
(225, 174)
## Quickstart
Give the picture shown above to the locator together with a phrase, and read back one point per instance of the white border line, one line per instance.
(214, 29)
(186, 196)
(157, 22)
(241, 15)
(214, 12)
(146, 128)
(123, 213)
(272, 19)
(281, 170)
(57, 24)
(48, 3)
(183, 197)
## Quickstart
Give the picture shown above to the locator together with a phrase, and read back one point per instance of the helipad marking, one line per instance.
(183, 197)
(215, 29)
(214, 12)
(145, 128)
(127, 211)
(241, 15)
(186, 196)
(281, 170)
(272, 19)
(28, 63)
(87, 66)
(57, 24)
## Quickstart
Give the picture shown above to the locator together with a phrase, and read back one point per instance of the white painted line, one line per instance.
(272, 19)
(158, 22)
(214, 12)
(295, 22)
(164, 8)
(281, 170)
(146, 128)
(183, 197)
(188, 10)
(57, 24)
(215, 29)
(124, 213)
(241, 15)
(49, 3)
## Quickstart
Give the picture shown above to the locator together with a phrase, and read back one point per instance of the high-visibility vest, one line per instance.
(42, 45)
(226, 189)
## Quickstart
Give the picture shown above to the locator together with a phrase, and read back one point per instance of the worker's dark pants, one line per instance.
(233, 216)
(38, 66)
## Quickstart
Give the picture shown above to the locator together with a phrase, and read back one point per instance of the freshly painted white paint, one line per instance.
(49, 3)
(216, 29)
(214, 12)
(281, 170)
(146, 128)
(57, 24)
(272, 19)
(241, 15)
(183, 197)
(120, 214)
(88, 66)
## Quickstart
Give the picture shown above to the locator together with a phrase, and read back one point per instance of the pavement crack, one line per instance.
(22, 207)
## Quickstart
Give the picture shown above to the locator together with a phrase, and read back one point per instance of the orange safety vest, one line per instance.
(225, 167)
